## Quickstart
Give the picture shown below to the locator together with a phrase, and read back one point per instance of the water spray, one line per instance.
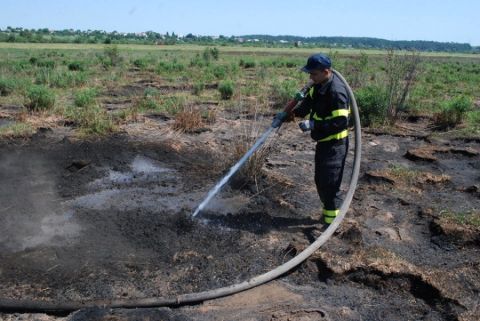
(299, 96)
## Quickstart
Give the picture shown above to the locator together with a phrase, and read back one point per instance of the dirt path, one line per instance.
(110, 219)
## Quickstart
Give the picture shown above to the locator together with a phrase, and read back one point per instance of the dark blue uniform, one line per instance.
(327, 106)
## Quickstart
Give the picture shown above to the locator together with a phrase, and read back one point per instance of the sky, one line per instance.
(436, 20)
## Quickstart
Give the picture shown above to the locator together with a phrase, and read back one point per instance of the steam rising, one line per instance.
(31, 213)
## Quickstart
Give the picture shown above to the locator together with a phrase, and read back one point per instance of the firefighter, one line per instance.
(326, 105)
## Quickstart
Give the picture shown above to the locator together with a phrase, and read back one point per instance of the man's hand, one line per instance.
(279, 119)
(306, 125)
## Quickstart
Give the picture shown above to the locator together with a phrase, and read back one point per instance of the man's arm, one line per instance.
(304, 108)
(338, 120)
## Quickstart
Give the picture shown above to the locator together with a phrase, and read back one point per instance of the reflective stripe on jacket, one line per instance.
(327, 106)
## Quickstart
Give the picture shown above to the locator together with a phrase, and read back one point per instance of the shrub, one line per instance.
(220, 72)
(92, 119)
(215, 53)
(200, 61)
(173, 66)
(172, 104)
(357, 71)
(282, 92)
(453, 112)
(141, 63)
(111, 56)
(401, 76)
(42, 62)
(473, 121)
(76, 66)
(147, 103)
(7, 86)
(207, 56)
(59, 78)
(372, 101)
(85, 97)
(226, 89)
(40, 98)
(248, 63)
(198, 88)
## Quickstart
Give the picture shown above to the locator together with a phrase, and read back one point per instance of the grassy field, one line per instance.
(74, 82)
(225, 49)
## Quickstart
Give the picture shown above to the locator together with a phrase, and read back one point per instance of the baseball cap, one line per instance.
(317, 61)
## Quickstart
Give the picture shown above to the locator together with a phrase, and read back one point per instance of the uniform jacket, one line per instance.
(327, 106)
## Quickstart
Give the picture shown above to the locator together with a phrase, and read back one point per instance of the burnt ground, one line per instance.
(110, 218)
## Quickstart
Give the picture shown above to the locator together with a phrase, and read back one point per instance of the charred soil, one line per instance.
(111, 218)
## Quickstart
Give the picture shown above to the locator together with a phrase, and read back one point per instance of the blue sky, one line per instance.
(448, 20)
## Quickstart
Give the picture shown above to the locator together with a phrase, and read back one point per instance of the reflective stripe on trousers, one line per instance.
(329, 215)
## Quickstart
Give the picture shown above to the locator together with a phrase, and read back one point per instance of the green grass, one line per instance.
(85, 97)
(401, 172)
(17, 130)
(248, 75)
(224, 49)
(471, 218)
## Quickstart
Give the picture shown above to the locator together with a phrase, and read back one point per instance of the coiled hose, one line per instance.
(8, 305)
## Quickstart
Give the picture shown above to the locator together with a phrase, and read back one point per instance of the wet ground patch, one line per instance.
(112, 219)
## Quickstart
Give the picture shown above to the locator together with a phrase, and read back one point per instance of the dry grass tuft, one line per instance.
(188, 120)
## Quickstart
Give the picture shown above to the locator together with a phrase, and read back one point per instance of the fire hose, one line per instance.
(32, 306)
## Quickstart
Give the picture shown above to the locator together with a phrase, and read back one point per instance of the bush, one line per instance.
(172, 105)
(76, 66)
(372, 102)
(7, 86)
(198, 88)
(401, 76)
(226, 89)
(85, 97)
(200, 61)
(40, 98)
(473, 121)
(247, 63)
(215, 53)
(111, 56)
(173, 66)
(140, 63)
(148, 103)
(453, 112)
(59, 78)
(282, 92)
(42, 63)
(220, 72)
(92, 119)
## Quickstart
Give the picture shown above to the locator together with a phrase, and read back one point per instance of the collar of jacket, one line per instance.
(322, 89)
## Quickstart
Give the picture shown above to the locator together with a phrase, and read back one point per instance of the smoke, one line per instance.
(31, 212)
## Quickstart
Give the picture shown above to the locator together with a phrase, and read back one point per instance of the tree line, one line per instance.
(45, 35)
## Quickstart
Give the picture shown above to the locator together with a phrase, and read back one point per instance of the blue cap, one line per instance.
(317, 61)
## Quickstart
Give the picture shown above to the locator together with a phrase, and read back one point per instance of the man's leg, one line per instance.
(329, 166)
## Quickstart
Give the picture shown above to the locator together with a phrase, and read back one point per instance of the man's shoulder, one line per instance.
(337, 85)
